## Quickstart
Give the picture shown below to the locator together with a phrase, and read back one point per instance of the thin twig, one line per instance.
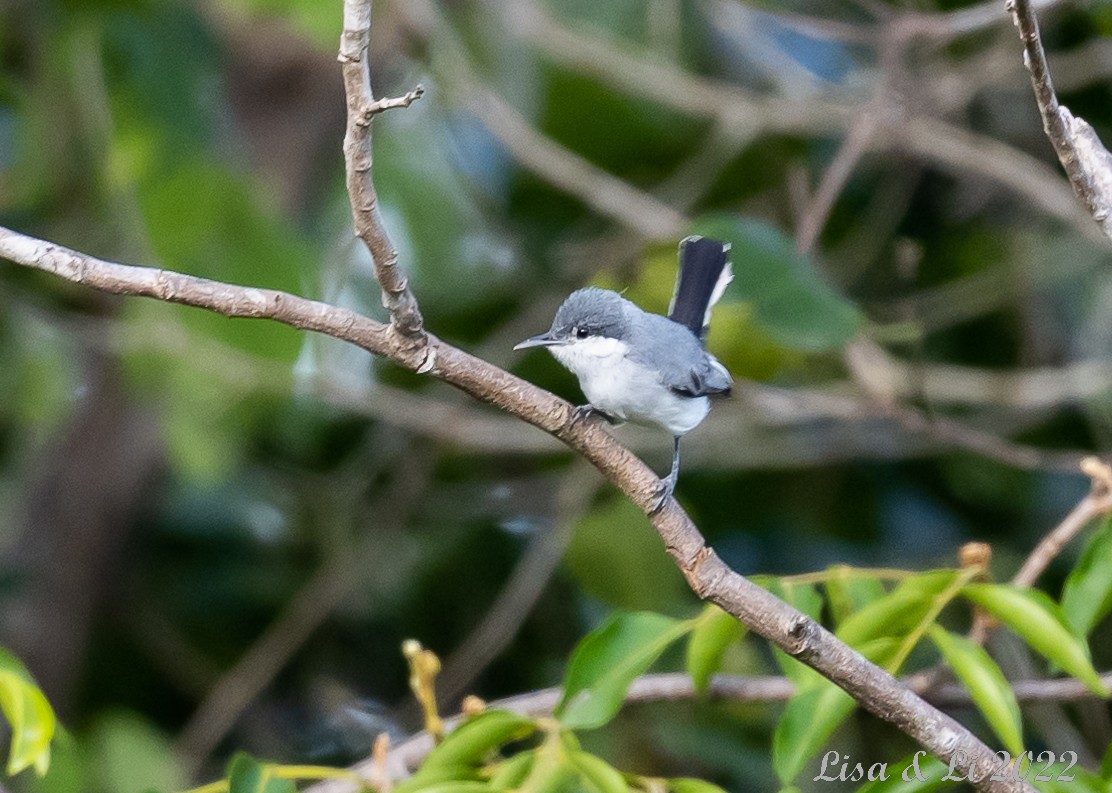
(834, 179)
(406, 757)
(603, 192)
(1087, 163)
(358, 157)
(382, 105)
(956, 149)
(522, 589)
(1097, 503)
(311, 605)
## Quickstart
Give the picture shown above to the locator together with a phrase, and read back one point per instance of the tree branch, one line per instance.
(522, 589)
(1098, 502)
(407, 756)
(1086, 162)
(956, 149)
(358, 158)
(708, 576)
(335, 580)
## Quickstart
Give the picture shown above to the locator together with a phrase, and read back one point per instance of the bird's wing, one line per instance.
(680, 361)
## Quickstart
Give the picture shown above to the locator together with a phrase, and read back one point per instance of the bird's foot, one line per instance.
(664, 492)
(588, 412)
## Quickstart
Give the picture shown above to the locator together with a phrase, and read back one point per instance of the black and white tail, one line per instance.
(703, 275)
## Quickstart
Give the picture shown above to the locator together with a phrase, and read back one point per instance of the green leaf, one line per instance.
(608, 660)
(899, 611)
(809, 719)
(924, 772)
(598, 775)
(792, 302)
(473, 740)
(458, 786)
(614, 559)
(29, 714)
(714, 632)
(511, 773)
(807, 599)
(690, 785)
(248, 775)
(553, 771)
(426, 777)
(1038, 620)
(1087, 593)
(813, 715)
(849, 591)
(125, 753)
(69, 770)
(986, 684)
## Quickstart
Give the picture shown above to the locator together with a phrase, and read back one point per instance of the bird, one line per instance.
(641, 367)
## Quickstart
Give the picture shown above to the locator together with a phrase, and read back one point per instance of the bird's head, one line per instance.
(587, 317)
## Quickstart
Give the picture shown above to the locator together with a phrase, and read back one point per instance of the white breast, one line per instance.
(626, 390)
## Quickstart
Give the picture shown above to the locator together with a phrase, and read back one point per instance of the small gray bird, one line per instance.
(642, 367)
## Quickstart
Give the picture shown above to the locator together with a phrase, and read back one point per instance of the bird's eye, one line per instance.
(580, 333)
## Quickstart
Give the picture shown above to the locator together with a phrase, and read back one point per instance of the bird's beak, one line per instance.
(543, 340)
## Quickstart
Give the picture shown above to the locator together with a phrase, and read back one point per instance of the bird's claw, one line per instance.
(663, 493)
(587, 412)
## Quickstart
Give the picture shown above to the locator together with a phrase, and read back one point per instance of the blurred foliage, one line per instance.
(29, 716)
(178, 489)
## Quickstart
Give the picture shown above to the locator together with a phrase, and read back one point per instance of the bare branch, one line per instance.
(707, 575)
(1098, 502)
(382, 105)
(1086, 162)
(603, 192)
(358, 157)
(331, 583)
(522, 589)
(406, 757)
(834, 180)
(958, 150)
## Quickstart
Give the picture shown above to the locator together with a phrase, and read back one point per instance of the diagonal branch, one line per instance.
(1086, 162)
(708, 576)
(1097, 503)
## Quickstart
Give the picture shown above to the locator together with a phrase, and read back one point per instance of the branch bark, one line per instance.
(407, 756)
(1097, 503)
(1086, 162)
(709, 577)
(405, 342)
(358, 157)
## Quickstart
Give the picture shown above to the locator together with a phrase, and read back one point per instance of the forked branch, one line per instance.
(405, 342)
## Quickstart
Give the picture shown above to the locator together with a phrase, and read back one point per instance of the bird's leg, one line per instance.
(668, 483)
